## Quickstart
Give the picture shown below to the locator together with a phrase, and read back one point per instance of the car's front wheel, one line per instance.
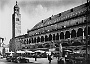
(18, 61)
(27, 61)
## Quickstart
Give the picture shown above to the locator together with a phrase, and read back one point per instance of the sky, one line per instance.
(32, 12)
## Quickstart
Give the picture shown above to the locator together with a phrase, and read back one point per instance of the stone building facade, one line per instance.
(17, 43)
(67, 28)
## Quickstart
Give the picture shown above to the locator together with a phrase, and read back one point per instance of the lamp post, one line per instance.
(87, 33)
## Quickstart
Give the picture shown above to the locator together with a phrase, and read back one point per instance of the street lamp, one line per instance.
(87, 32)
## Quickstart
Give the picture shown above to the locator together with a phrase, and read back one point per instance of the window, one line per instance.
(59, 14)
(71, 10)
(50, 18)
(17, 19)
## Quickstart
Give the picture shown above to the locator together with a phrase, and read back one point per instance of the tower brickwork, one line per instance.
(16, 21)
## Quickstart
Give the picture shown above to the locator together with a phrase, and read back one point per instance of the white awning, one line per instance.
(48, 53)
(40, 51)
(29, 51)
(20, 52)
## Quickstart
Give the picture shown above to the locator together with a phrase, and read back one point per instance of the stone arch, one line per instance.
(42, 38)
(80, 32)
(62, 35)
(35, 40)
(29, 41)
(53, 36)
(50, 37)
(57, 36)
(46, 38)
(38, 39)
(32, 40)
(73, 33)
(88, 31)
(67, 34)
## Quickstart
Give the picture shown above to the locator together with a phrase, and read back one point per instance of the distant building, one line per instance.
(17, 43)
(1, 45)
(16, 21)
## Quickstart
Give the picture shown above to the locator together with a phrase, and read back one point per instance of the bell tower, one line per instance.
(16, 21)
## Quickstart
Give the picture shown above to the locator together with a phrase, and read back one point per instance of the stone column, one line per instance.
(83, 33)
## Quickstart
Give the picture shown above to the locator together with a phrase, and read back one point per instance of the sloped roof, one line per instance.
(51, 19)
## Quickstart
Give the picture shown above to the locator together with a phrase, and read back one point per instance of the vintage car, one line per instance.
(19, 59)
(9, 58)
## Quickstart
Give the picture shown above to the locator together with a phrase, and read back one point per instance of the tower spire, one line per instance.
(16, 2)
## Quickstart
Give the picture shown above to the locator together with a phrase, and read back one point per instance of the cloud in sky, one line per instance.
(32, 12)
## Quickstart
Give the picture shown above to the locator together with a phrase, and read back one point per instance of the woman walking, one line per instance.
(49, 58)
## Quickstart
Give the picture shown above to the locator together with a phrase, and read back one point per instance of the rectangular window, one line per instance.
(17, 19)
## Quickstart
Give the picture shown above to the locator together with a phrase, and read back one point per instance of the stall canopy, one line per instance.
(20, 52)
(48, 53)
(68, 50)
(39, 51)
(29, 51)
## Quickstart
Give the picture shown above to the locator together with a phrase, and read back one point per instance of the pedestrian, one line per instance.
(35, 57)
(49, 58)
